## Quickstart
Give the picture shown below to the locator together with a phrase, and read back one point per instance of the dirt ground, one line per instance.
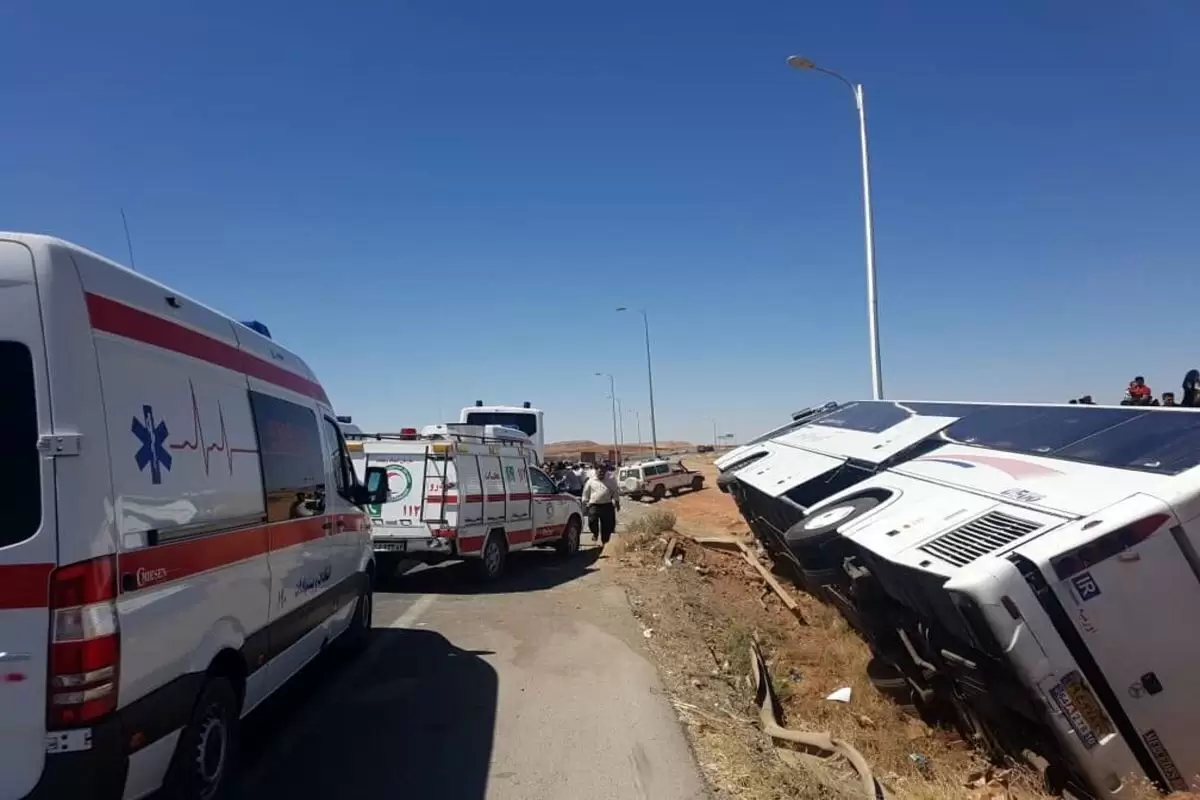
(701, 614)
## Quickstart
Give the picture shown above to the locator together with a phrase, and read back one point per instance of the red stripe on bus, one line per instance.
(119, 319)
(24, 586)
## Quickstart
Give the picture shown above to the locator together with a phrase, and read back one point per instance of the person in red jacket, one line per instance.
(1139, 393)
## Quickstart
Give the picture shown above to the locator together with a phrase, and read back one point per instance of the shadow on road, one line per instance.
(412, 717)
(526, 571)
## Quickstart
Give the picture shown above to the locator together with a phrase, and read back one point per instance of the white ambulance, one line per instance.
(182, 532)
(465, 491)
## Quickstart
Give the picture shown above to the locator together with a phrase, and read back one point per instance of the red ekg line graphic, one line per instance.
(197, 441)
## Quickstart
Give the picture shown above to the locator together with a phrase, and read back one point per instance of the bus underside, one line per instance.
(955, 672)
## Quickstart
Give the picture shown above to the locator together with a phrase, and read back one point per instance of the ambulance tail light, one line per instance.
(85, 644)
(1107, 546)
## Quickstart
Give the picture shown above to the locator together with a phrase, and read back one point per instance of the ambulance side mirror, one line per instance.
(374, 489)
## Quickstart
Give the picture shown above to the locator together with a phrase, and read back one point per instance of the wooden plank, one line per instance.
(774, 583)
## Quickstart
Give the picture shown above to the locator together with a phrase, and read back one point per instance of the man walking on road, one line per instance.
(602, 499)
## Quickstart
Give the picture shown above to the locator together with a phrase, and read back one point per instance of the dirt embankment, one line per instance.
(701, 613)
(572, 448)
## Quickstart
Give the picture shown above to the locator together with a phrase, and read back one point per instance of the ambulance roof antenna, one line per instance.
(128, 241)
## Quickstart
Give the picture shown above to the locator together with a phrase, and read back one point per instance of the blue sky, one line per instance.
(438, 202)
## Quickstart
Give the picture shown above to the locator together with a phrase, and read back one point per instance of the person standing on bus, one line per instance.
(1191, 389)
(602, 499)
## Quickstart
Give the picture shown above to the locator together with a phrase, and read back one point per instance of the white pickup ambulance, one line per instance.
(465, 491)
(182, 530)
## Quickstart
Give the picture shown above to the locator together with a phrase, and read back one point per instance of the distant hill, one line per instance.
(575, 446)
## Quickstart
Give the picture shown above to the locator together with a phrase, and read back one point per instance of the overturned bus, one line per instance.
(1026, 572)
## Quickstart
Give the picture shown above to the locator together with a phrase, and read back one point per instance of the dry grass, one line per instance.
(705, 609)
(651, 524)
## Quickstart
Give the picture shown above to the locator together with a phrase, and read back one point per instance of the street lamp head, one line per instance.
(800, 62)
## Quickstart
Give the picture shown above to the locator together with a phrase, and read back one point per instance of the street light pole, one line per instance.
(620, 425)
(612, 389)
(799, 62)
(714, 422)
(637, 416)
(649, 380)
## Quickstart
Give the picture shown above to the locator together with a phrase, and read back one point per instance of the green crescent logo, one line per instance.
(396, 473)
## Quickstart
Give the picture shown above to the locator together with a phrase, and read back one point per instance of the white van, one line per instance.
(465, 491)
(183, 530)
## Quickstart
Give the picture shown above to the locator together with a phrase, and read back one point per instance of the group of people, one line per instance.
(1139, 394)
(597, 488)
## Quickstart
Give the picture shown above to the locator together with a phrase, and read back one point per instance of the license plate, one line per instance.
(1082, 709)
(391, 547)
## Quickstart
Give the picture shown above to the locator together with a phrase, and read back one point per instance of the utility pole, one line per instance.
(649, 380)
(612, 389)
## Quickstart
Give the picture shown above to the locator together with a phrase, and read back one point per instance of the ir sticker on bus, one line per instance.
(1085, 586)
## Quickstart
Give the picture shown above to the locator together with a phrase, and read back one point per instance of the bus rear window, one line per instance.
(20, 464)
(525, 423)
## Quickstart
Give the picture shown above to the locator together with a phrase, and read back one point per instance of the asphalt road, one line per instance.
(532, 689)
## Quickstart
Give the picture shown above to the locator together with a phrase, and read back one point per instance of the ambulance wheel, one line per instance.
(568, 545)
(659, 492)
(490, 565)
(203, 757)
(358, 636)
(697, 483)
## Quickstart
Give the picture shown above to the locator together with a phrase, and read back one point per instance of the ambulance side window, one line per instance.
(339, 460)
(293, 466)
(20, 462)
(542, 484)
